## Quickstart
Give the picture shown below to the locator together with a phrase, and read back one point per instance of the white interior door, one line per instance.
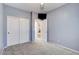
(24, 30)
(12, 30)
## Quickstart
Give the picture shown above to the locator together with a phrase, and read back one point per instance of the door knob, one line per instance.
(8, 32)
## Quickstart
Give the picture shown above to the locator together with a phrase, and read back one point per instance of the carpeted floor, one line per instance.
(36, 49)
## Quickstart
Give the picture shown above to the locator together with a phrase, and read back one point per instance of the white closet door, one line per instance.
(24, 30)
(12, 30)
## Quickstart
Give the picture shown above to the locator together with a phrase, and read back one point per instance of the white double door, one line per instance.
(17, 30)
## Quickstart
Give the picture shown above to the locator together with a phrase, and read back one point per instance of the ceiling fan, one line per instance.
(42, 6)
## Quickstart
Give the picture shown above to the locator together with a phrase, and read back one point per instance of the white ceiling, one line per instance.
(35, 7)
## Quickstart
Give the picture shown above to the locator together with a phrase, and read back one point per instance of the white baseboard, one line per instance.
(72, 50)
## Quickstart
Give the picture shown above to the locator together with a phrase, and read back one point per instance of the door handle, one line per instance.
(8, 32)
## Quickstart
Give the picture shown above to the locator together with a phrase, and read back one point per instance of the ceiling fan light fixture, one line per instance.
(42, 6)
(42, 3)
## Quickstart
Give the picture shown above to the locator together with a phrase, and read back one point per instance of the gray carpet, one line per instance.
(36, 49)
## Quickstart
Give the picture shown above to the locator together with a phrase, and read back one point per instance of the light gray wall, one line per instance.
(63, 26)
(10, 11)
(1, 25)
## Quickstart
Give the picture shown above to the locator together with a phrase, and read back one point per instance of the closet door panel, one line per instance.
(12, 30)
(24, 30)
